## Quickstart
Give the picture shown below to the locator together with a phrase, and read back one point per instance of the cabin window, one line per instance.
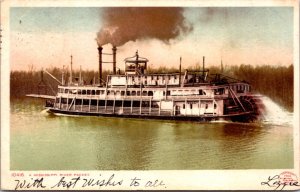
(88, 92)
(64, 100)
(164, 93)
(215, 106)
(93, 92)
(97, 92)
(122, 93)
(94, 102)
(108, 92)
(183, 106)
(83, 92)
(138, 93)
(128, 93)
(133, 93)
(191, 105)
(150, 93)
(168, 92)
(86, 102)
(151, 78)
(206, 106)
(175, 77)
(66, 90)
(78, 101)
(145, 93)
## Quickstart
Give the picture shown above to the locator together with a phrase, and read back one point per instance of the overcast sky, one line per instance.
(46, 37)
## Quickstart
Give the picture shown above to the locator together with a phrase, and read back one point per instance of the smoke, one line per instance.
(130, 24)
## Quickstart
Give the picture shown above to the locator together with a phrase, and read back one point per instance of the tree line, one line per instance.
(276, 82)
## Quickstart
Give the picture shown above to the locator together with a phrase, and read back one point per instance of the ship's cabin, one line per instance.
(135, 65)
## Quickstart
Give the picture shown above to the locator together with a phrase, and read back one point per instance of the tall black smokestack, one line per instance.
(100, 63)
(114, 50)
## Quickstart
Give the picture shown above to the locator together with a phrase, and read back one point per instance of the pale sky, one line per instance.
(46, 37)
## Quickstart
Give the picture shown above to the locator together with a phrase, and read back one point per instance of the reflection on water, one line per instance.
(45, 142)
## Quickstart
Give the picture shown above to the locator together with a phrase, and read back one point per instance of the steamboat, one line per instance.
(184, 95)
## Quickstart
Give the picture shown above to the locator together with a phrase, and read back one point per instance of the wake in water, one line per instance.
(275, 114)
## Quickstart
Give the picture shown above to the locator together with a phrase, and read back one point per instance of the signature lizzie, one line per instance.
(279, 182)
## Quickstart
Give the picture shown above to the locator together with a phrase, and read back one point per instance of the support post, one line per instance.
(141, 106)
(185, 106)
(199, 104)
(114, 105)
(159, 107)
(131, 106)
(149, 106)
(122, 106)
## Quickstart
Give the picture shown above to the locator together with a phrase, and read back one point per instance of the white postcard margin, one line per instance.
(137, 180)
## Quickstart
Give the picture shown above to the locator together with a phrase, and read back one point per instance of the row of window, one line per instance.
(191, 106)
(152, 77)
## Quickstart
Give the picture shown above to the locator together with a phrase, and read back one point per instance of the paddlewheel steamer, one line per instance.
(187, 95)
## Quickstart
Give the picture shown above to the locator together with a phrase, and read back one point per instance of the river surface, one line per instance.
(39, 141)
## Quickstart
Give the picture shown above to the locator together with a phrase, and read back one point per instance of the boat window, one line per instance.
(168, 92)
(133, 93)
(215, 106)
(88, 92)
(191, 105)
(97, 92)
(183, 106)
(151, 77)
(93, 92)
(128, 93)
(66, 90)
(122, 93)
(150, 93)
(108, 92)
(174, 76)
(164, 93)
(145, 93)
(138, 93)
(78, 102)
(83, 92)
(206, 106)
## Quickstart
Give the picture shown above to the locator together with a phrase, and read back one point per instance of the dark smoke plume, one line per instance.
(129, 24)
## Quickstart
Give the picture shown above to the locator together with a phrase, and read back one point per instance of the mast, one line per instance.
(71, 77)
(80, 75)
(180, 71)
(203, 66)
(62, 76)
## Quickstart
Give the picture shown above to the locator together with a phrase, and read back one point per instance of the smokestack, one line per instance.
(100, 64)
(114, 49)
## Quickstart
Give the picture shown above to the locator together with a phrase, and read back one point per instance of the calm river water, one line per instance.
(43, 142)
